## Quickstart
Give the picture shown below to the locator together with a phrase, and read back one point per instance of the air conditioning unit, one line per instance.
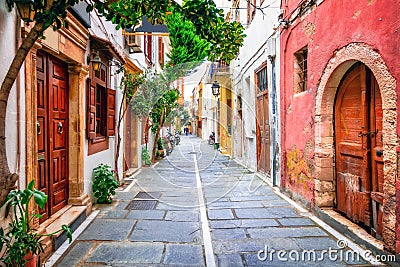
(134, 43)
(271, 47)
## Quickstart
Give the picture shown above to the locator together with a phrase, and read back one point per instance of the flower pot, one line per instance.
(31, 260)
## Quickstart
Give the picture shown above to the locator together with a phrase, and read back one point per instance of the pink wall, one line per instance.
(332, 25)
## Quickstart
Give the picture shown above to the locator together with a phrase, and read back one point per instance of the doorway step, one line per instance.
(70, 215)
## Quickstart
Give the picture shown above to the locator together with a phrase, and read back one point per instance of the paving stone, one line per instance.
(113, 214)
(165, 206)
(184, 255)
(296, 222)
(317, 243)
(146, 214)
(260, 213)
(229, 260)
(108, 229)
(253, 260)
(76, 254)
(237, 246)
(227, 234)
(252, 223)
(238, 205)
(182, 216)
(129, 253)
(220, 214)
(286, 232)
(167, 231)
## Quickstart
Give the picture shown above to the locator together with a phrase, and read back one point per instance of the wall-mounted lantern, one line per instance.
(96, 61)
(25, 9)
(215, 88)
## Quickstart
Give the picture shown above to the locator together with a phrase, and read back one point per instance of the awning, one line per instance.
(132, 66)
(100, 44)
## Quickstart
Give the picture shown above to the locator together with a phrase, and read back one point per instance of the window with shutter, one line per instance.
(111, 112)
(100, 110)
(91, 110)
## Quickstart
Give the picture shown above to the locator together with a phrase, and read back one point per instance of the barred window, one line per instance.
(262, 81)
(300, 70)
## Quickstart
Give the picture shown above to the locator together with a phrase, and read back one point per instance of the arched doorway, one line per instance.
(359, 149)
(336, 71)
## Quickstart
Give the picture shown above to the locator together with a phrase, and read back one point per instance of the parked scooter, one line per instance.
(177, 138)
(211, 138)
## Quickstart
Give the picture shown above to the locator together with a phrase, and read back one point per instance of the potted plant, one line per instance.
(104, 184)
(160, 148)
(19, 242)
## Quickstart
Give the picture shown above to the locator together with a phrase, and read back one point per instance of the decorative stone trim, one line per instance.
(337, 66)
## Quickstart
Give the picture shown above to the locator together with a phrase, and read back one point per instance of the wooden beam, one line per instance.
(144, 33)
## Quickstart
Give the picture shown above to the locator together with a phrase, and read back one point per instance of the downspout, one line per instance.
(273, 137)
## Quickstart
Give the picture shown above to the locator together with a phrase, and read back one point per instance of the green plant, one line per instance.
(160, 144)
(146, 156)
(104, 183)
(19, 238)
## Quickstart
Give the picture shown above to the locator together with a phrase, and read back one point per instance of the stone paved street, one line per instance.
(244, 215)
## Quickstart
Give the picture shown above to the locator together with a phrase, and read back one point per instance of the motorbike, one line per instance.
(211, 138)
(177, 138)
(169, 143)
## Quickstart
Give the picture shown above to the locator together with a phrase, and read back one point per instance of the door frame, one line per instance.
(335, 69)
(48, 130)
(76, 124)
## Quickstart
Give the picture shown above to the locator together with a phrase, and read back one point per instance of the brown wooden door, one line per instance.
(359, 159)
(263, 133)
(52, 131)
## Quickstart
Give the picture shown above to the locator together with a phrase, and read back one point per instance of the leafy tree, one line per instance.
(186, 44)
(161, 110)
(129, 85)
(225, 39)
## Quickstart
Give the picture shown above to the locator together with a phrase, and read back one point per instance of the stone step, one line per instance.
(70, 215)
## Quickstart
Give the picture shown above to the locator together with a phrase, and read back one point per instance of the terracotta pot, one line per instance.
(31, 260)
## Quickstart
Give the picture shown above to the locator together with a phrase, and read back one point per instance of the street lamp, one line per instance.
(96, 62)
(25, 9)
(215, 91)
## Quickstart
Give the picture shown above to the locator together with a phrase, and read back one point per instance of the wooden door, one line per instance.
(52, 131)
(263, 133)
(359, 158)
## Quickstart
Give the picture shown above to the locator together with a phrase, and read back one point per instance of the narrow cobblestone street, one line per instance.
(159, 219)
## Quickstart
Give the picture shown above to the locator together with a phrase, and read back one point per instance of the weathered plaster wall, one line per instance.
(332, 25)
(338, 32)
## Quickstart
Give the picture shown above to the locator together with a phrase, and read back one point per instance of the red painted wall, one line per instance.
(330, 26)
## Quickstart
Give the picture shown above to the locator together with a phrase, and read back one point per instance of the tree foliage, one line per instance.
(186, 45)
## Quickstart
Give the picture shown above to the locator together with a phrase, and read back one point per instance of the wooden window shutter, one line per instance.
(91, 109)
(111, 112)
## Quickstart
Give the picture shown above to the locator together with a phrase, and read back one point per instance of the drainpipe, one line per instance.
(273, 136)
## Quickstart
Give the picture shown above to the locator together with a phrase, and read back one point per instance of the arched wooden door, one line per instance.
(359, 149)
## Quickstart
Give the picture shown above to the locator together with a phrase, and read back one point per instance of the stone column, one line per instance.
(31, 152)
(76, 137)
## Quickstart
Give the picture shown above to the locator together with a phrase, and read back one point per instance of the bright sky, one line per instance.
(193, 80)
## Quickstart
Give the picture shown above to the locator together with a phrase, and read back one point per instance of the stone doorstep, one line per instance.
(350, 229)
(70, 215)
(130, 172)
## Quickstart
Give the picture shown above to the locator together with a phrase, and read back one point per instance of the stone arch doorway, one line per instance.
(325, 150)
(358, 149)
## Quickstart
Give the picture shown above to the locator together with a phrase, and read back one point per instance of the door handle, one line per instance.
(60, 127)
(368, 133)
(378, 153)
(38, 128)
